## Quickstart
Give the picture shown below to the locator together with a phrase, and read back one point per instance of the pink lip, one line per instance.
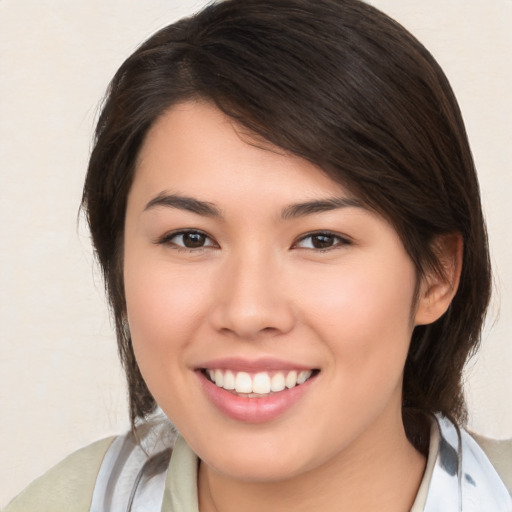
(252, 410)
(258, 365)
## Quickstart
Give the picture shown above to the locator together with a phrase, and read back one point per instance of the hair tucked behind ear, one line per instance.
(342, 85)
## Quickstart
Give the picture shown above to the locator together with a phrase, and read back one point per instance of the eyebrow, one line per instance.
(292, 211)
(184, 203)
(323, 205)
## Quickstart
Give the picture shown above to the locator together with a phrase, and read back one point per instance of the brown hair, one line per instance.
(344, 86)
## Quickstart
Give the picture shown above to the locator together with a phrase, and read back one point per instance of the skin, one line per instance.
(258, 287)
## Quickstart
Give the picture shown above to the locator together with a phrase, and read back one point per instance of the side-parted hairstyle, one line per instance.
(345, 87)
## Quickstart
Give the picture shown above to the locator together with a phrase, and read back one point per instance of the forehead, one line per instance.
(194, 147)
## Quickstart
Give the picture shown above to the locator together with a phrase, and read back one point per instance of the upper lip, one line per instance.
(252, 366)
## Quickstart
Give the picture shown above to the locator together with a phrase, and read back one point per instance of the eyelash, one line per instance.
(339, 241)
(168, 240)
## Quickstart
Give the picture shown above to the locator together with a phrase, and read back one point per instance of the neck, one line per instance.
(379, 471)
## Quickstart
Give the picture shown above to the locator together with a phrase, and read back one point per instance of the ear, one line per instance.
(437, 289)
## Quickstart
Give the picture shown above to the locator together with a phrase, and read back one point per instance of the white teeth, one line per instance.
(229, 380)
(243, 382)
(277, 382)
(303, 376)
(219, 378)
(258, 384)
(291, 379)
(261, 384)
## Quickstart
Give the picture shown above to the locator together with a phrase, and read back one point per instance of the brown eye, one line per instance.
(321, 241)
(188, 240)
(193, 240)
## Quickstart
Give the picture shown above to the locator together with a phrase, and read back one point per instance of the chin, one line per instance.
(258, 469)
(258, 458)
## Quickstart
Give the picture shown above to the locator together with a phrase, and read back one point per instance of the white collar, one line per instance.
(142, 476)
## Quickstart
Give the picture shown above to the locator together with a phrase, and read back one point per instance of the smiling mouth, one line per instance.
(257, 385)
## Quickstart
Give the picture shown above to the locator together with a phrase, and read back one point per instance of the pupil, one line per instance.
(322, 241)
(193, 240)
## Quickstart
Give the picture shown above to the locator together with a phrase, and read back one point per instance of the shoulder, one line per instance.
(67, 486)
(481, 484)
(500, 455)
(463, 477)
(105, 475)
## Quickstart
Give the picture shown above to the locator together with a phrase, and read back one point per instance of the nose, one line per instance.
(252, 299)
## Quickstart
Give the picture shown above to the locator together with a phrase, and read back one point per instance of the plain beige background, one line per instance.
(60, 383)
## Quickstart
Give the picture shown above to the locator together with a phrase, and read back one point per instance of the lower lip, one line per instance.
(253, 410)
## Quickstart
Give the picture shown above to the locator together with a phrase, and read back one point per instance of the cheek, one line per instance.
(358, 303)
(163, 309)
(363, 313)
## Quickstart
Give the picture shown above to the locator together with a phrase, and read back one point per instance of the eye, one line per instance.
(321, 241)
(188, 239)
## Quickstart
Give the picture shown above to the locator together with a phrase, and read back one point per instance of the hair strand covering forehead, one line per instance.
(338, 83)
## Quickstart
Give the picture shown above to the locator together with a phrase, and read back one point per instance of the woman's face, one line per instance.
(252, 268)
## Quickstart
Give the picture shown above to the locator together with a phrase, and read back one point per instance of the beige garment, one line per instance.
(500, 454)
(67, 487)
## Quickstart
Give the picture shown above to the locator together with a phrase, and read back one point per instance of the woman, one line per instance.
(284, 204)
